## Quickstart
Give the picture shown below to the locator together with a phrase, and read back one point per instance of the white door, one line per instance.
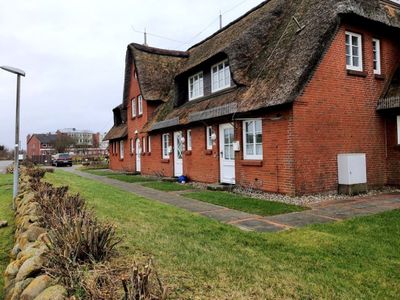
(227, 155)
(178, 154)
(138, 152)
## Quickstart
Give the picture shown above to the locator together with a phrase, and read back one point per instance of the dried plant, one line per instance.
(144, 284)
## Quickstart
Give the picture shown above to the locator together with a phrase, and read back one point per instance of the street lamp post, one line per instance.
(19, 73)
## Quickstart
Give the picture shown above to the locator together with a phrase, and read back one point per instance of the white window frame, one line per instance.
(225, 69)
(144, 144)
(133, 107)
(200, 91)
(398, 130)
(132, 146)
(252, 156)
(149, 143)
(140, 105)
(359, 54)
(115, 148)
(121, 149)
(209, 141)
(376, 46)
(189, 139)
(165, 146)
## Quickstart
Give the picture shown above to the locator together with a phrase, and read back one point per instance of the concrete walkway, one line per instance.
(4, 164)
(321, 213)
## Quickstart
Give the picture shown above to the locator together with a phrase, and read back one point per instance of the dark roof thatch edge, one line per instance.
(159, 51)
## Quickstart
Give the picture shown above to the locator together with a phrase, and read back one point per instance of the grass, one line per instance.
(7, 233)
(246, 204)
(167, 186)
(202, 259)
(120, 176)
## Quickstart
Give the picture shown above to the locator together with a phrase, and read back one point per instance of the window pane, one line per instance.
(259, 149)
(249, 138)
(354, 40)
(249, 127)
(347, 39)
(249, 149)
(258, 126)
(355, 61)
(259, 138)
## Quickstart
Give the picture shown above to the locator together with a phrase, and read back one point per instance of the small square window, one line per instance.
(252, 139)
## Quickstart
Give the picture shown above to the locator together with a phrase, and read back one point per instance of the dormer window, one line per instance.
(140, 105)
(220, 76)
(354, 59)
(196, 86)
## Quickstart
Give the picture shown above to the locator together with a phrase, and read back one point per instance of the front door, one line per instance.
(227, 155)
(138, 152)
(178, 154)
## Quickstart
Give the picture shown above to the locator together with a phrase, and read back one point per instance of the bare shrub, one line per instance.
(144, 283)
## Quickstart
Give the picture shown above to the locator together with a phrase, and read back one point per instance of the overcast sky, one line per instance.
(73, 53)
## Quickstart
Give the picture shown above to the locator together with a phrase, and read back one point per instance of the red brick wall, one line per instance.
(393, 151)
(275, 172)
(337, 114)
(33, 147)
(135, 125)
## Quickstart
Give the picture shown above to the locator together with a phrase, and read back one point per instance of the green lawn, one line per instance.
(167, 186)
(121, 176)
(202, 259)
(7, 233)
(246, 204)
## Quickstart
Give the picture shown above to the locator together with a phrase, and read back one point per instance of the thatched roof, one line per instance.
(270, 59)
(117, 132)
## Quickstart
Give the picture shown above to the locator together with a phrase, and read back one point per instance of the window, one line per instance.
(140, 105)
(376, 46)
(252, 139)
(209, 133)
(149, 144)
(353, 51)
(121, 149)
(189, 140)
(144, 144)
(398, 130)
(165, 145)
(133, 101)
(115, 147)
(196, 86)
(132, 146)
(220, 76)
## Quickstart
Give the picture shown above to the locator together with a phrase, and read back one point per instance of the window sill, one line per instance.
(143, 154)
(188, 153)
(133, 118)
(141, 115)
(254, 163)
(208, 152)
(357, 73)
(149, 154)
(380, 77)
(165, 161)
(121, 159)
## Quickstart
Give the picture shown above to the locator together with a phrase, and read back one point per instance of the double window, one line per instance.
(121, 149)
(140, 105)
(376, 48)
(196, 86)
(189, 139)
(220, 76)
(354, 51)
(252, 139)
(165, 145)
(133, 104)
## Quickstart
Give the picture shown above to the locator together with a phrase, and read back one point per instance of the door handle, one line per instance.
(222, 153)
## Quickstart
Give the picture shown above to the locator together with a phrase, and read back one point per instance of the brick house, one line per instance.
(271, 100)
(40, 147)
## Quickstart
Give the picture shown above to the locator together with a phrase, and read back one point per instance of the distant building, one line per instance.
(81, 137)
(40, 147)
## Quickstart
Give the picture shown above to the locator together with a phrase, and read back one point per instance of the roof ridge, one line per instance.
(159, 51)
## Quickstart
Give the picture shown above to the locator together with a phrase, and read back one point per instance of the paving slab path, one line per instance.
(323, 212)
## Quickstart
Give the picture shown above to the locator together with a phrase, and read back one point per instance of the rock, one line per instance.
(56, 292)
(3, 224)
(20, 287)
(36, 249)
(12, 269)
(15, 250)
(33, 233)
(38, 285)
(29, 268)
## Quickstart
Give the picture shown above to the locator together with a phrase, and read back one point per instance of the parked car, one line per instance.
(61, 159)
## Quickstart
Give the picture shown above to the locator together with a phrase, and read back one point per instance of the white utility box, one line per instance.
(352, 168)
(352, 171)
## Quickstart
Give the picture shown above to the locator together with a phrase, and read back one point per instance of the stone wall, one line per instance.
(25, 277)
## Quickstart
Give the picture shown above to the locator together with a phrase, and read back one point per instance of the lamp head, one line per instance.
(13, 70)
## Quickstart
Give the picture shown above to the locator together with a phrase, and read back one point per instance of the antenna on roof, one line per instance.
(220, 19)
(298, 25)
(145, 37)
